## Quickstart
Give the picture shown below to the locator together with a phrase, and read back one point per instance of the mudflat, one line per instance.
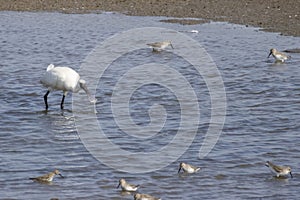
(272, 15)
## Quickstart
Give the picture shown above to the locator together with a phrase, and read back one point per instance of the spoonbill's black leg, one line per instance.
(45, 99)
(62, 102)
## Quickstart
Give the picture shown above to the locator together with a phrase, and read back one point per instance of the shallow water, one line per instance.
(262, 118)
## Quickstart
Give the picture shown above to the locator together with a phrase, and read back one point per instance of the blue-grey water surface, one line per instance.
(262, 119)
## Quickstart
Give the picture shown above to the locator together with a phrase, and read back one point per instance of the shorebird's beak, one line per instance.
(270, 54)
(119, 185)
(291, 174)
(179, 169)
(61, 175)
(267, 164)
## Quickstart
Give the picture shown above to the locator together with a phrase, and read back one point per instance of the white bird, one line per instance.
(65, 79)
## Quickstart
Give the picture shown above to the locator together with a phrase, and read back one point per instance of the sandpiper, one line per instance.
(127, 187)
(138, 196)
(188, 168)
(158, 46)
(279, 56)
(279, 170)
(47, 177)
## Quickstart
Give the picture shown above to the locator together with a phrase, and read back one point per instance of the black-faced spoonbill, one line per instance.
(65, 79)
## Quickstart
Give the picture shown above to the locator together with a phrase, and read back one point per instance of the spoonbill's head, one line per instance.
(82, 84)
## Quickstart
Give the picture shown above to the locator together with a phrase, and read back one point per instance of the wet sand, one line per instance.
(272, 15)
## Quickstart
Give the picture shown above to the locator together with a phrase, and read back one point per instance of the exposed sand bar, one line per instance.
(272, 15)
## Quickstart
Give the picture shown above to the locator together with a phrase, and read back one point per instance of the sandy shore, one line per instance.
(271, 15)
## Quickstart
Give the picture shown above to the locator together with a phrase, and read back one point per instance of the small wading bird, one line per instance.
(158, 46)
(188, 168)
(279, 56)
(279, 170)
(65, 79)
(47, 177)
(138, 196)
(126, 186)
